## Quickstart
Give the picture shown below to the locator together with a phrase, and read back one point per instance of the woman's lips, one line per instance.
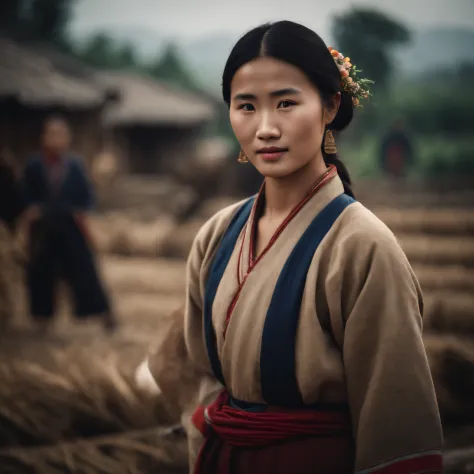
(272, 155)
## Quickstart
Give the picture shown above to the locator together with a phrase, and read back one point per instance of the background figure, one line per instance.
(396, 154)
(11, 206)
(58, 194)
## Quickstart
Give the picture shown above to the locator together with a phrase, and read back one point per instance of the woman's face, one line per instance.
(278, 116)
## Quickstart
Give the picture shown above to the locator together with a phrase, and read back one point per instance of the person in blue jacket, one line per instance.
(58, 195)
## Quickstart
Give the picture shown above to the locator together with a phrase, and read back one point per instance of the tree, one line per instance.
(99, 51)
(126, 56)
(36, 20)
(170, 68)
(10, 15)
(104, 52)
(49, 19)
(368, 37)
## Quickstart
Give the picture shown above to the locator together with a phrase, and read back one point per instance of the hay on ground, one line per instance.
(179, 242)
(452, 365)
(144, 275)
(449, 312)
(154, 450)
(439, 277)
(126, 234)
(81, 411)
(438, 250)
(428, 221)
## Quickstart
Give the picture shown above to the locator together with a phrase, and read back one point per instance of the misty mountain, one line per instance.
(207, 57)
(435, 48)
(439, 48)
(149, 43)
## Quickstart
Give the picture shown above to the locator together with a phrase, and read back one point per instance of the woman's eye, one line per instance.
(247, 107)
(285, 104)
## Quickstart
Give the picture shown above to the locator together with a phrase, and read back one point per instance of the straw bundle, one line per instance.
(449, 312)
(438, 250)
(82, 414)
(428, 221)
(124, 233)
(440, 277)
(157, 450)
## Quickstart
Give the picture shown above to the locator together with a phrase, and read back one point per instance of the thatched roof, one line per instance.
(37, 79)
(146, 101)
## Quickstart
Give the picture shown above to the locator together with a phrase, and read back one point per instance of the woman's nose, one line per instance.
(267, 128)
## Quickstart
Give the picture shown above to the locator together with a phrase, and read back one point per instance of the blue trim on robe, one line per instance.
(277, 358)
(218, 267)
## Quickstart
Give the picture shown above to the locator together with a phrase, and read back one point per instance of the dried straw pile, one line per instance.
(82, 414)
(157, 451)
(428, 221)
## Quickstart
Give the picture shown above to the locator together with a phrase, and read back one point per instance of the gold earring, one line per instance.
(330, 143)
(242, 157)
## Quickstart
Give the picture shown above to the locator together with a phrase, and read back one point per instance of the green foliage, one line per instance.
(169, 67)
(434, 112)
(103, 52)
(433, 105)
(221, 127)
(36, 20)
(361, 156)
(368, 37)
(49, 19)
(435, 155)
(443, 155)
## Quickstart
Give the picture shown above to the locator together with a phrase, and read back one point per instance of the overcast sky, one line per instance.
(189, 19)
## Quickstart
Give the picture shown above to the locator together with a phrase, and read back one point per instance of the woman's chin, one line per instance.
(275, 170)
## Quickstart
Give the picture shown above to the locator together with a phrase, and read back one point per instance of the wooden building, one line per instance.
(36, 82)
(154, 125)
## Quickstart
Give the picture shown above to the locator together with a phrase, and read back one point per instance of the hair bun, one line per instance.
(344, 114)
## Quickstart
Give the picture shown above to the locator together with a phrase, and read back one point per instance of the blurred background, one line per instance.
(139, 84)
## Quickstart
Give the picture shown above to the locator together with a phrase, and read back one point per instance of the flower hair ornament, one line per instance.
(357, 87)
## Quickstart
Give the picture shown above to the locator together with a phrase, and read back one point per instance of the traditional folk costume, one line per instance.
(316, 343)
(59, 240)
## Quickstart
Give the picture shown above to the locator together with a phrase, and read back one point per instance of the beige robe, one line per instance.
(361, 284)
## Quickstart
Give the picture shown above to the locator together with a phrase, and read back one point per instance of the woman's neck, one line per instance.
(283, 195)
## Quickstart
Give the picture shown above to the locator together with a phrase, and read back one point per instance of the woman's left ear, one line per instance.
(332, 108)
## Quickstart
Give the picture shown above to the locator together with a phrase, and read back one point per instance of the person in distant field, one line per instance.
(58, 195)
(396, 154)
(11, 207)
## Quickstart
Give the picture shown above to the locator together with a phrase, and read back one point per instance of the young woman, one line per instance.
(58, 195)
(300, 302)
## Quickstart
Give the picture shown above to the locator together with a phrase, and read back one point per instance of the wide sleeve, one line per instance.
(196, 275)
(390, 390)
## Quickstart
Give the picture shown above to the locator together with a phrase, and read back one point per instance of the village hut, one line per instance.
(154, 125)
(37, 81)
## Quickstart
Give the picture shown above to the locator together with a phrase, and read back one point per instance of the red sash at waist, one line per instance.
(247, 429)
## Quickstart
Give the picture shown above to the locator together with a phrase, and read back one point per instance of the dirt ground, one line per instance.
(147, 285)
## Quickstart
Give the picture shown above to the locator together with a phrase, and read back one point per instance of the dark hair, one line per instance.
(303, 48)
(56, 118)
